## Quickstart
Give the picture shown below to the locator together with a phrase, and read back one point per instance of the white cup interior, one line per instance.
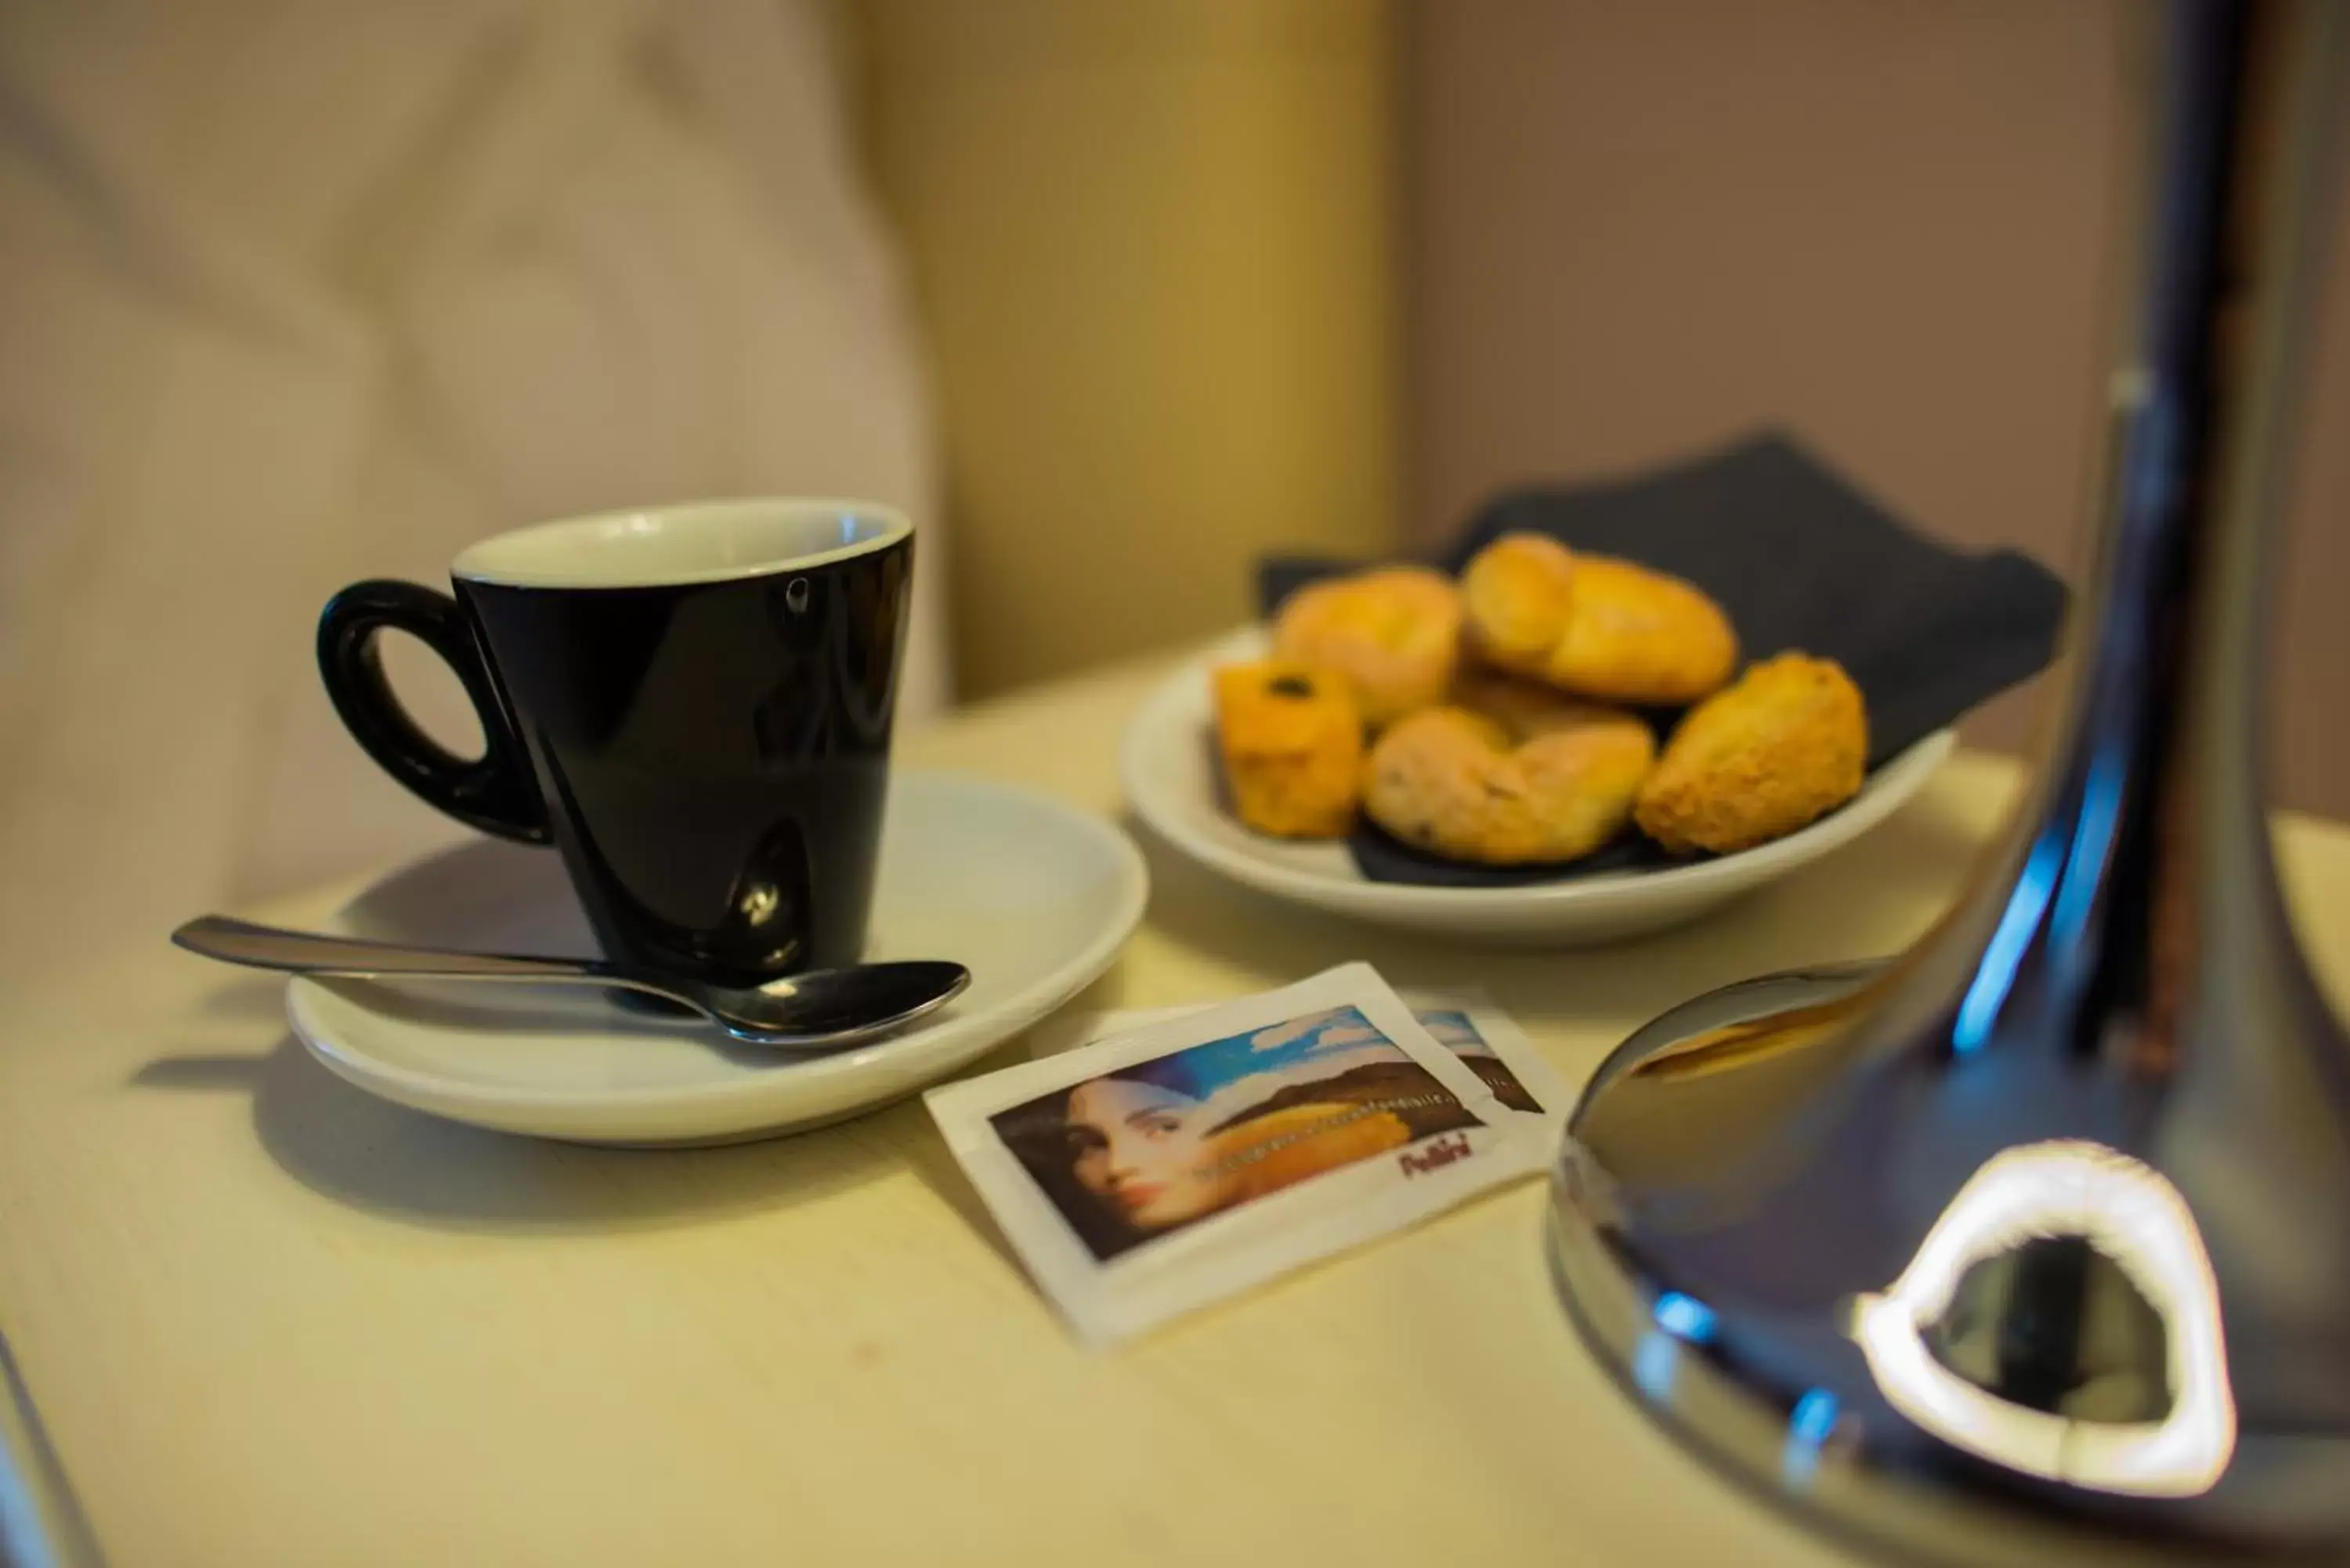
(704, 542)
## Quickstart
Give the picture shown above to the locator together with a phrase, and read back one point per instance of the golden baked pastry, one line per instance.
(1516, 594)
(1593, 625)
(1526, 777)
(1528, 709)
(1788, 744)
(1394, 632)
(1292, 742)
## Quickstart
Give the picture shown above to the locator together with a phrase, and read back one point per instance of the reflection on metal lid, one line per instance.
(1685, 1317)
(2128, 1212)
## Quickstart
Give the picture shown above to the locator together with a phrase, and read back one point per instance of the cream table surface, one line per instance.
(265, 1319)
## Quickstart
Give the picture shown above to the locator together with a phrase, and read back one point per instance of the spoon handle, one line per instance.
(307, 953)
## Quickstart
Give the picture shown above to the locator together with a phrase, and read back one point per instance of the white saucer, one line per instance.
(1037, 898)
(1170, 772)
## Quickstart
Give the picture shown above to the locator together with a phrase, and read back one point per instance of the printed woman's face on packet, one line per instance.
(1151, 1148)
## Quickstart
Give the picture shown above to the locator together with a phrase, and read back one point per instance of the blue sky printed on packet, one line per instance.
(1340, 1036)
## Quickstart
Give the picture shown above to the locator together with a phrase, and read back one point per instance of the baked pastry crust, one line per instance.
(1394, 633)
(1593, 625)
(1509, 774)
(1785, 746)
(1290, 739)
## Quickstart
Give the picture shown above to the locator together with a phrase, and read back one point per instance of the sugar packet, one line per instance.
(1173, 1164)
(1466, 1020)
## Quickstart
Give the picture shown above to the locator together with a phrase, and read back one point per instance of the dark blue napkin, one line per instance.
(1799, 559)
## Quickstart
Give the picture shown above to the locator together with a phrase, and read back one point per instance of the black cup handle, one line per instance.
(494, 792)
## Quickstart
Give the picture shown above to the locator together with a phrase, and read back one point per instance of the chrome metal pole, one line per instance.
(2038, 1239)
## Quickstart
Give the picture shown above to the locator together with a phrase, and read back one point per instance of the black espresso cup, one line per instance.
(692, 703)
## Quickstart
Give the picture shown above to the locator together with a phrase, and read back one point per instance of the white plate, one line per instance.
(1170, 771)
(1035, 897)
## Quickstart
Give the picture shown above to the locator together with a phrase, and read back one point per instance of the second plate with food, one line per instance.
(1169, 766)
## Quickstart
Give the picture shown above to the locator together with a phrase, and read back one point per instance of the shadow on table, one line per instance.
(251, 998)
(927, 1156)
(916, 1140)
(386, 1159)
(346, 1144)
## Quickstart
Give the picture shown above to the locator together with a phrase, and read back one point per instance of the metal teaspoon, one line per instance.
(821, 1010)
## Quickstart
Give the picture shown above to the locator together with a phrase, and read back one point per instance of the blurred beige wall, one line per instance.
(1151, 239)
(1633, 230)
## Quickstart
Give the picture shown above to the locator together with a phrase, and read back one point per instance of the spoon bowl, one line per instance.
(829, 1008)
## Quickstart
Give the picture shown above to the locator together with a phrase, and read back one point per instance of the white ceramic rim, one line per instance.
(1889, 788)
(561, 539)
(940, 1046)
